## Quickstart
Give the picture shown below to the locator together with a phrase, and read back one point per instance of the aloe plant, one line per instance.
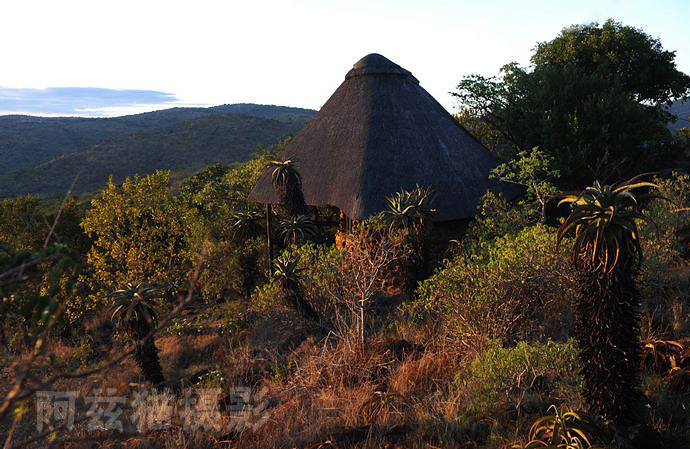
(296, 229)
(246, 226)
(411, 212)
(134, 312)
(564, 430)
(606, 254)
(287, 272)
(287, 182)
(410, 209)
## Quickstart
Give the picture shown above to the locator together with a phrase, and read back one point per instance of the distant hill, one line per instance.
(42, 155)
(682, 111)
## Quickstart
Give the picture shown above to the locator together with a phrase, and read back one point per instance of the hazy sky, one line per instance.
(129, 56)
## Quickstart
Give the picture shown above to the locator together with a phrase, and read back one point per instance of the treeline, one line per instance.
(595, 98)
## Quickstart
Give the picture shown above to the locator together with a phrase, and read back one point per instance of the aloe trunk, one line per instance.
(146, 356)
(293, 297)
(607, 331)
(248, 274)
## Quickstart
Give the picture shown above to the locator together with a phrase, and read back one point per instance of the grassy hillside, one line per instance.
(27, 140)
(184, 146)
(43, 154)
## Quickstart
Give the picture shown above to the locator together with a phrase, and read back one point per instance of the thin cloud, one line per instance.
(89, 101)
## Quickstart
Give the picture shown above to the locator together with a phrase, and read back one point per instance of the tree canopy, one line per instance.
(593, 98)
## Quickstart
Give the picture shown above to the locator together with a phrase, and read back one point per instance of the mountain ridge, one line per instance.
(43, 154)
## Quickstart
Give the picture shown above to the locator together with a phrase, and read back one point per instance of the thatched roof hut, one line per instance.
(381, 132)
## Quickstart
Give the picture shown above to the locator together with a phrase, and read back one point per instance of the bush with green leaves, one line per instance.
(496, 217)
(317, 265)
(665, 242)
(669, 215)
(228, 227)
(31, 286)
(519, 288)
(232, 267)
(27, 225)
(139, 232)
(507, 378)
(534, 171)
(22, 224)
(219, 191)
(340, 284)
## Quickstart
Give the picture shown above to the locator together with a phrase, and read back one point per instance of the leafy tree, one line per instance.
(637, 60)
(607, 255)
(534, 171)
(134, 311)
(488, 135)
(592, 99)
(227, 225)
(496, 217)
(27, 226)
(218, 191)
(139, 232)
(30, 285)
(22, 224)
(195, 184)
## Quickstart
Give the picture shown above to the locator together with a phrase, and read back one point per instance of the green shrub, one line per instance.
(184, 326)
(661, 287)
(334, 281)
(140, 233)
(514, 374)
(318, 273)
(231, 265)
(496, 217)
(266, 296)
(283, 369)
(661, 241)
(22, 224)
(519, 288)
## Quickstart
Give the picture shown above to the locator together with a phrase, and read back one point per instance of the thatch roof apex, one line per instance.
(381, 132)
(375, 63)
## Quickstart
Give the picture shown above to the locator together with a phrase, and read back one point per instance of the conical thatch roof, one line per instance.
(380, 132)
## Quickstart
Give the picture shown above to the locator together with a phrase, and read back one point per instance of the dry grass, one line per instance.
(399, 392)
(396, 393)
